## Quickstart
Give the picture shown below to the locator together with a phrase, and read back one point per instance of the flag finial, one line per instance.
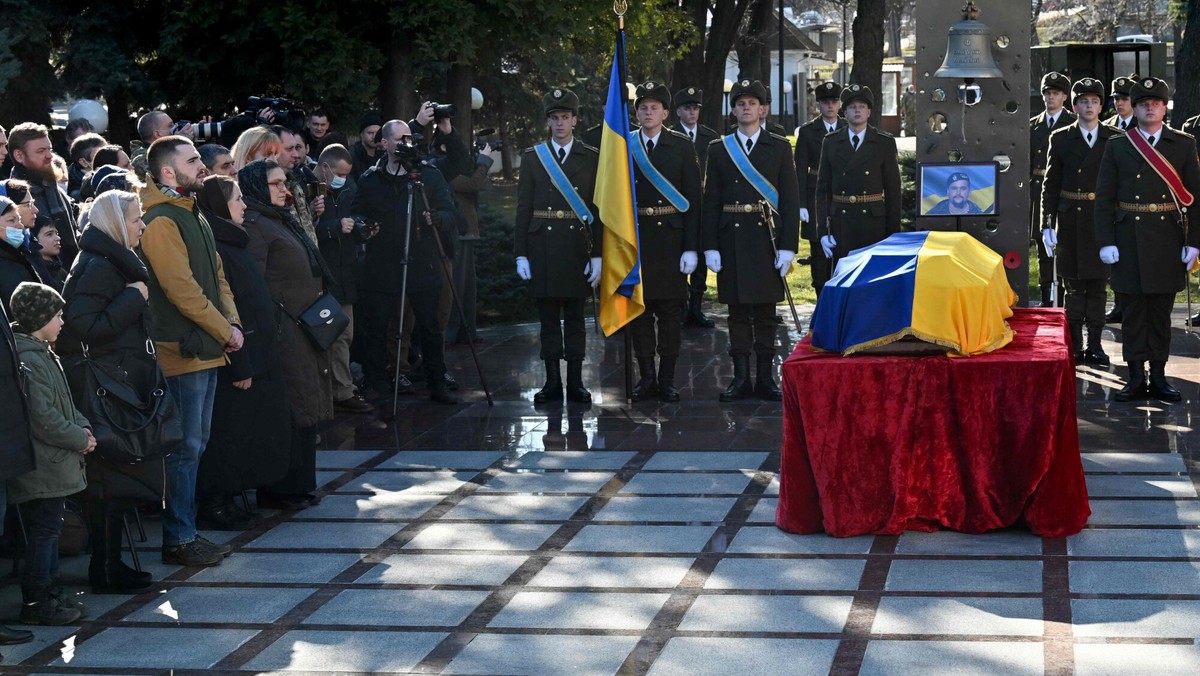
(619, 8)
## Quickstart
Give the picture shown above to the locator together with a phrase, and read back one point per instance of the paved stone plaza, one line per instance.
(608, 539)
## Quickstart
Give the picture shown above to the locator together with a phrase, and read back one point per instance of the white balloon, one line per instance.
(476, 99)
(93, 111)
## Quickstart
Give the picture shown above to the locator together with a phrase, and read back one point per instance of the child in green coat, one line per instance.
(61, 439)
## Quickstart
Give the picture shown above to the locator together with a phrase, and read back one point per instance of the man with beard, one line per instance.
(193, 323)
(957, 202)
(33, 159)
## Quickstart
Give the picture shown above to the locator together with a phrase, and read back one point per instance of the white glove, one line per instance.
(828, 244)
(592, 270)
(688, 262)
(1050, 239)
(804, 214)
(712, 258)
(783, 261)
(523, 268)
(1189, 256)
(1109, 255)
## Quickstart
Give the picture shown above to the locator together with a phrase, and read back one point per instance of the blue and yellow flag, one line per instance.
(945, 288)
(621, 277)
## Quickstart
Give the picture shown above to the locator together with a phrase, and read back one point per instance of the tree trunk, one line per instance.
(458, 90)
(120, 129)
(754, 57)
(396, 99)
(27, 96)
(1187, 62)
(1033, 24)
(704, 65)
(868, 49)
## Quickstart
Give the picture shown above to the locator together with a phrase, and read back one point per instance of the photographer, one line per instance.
(339, 231)
(151, 127)
(433, 129)
(383, 197)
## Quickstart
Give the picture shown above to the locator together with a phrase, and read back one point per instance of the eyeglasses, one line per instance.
(278, 184)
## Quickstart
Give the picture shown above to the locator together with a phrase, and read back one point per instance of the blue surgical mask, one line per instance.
(14, 236)
(337, 182)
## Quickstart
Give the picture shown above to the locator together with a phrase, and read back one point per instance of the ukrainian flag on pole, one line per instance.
(621, 276)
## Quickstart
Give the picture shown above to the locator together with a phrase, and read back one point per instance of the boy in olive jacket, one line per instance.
(61, 437)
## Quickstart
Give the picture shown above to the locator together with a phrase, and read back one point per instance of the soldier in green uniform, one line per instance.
(1056, 87)
(1122, 120)
(668, 237)
(808, 159)
(858, 181)
(744, 168)
(688, 102)
(557, 241)
(1068, 197)
(1141, 232)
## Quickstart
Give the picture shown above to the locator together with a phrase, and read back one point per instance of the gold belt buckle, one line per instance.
(1153, 208)
(559, 214)
(854, 199)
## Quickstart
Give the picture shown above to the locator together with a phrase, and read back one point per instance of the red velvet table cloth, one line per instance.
(884, 444)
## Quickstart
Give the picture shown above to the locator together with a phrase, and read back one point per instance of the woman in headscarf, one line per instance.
(105, 314)
(250, 441)
(296, 277)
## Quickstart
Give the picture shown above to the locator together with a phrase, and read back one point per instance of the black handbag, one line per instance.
(323, 322)
(130, 426)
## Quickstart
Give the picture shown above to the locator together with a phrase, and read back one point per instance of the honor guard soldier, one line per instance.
(1123, 120)
(667, 182)
(745, 168)
(1056, 87)
(808, 160)
(557, 241)
(1069, 197)
(688, 102)
(1148, 179)
(858, 181)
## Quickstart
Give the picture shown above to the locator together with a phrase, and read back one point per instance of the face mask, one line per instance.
(337, 182)
(14, 236)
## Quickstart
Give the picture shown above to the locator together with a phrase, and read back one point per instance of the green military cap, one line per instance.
(653, 90)
(1149, 88)
(1121, 85)
(1053, 80)
(856, 92)
(688, 95)
(1088, 85)
(827, 90)
(560, 99)
(747, 87)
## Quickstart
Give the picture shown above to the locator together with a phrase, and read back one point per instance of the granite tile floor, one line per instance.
(640, 539)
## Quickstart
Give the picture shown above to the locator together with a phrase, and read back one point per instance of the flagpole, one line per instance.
(619, 8)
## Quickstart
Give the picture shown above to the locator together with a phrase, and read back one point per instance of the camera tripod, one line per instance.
(416, 185)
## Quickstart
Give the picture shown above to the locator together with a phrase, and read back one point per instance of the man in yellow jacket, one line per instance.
(194, 323)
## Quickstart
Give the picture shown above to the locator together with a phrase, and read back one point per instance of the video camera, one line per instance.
(286, 114)
(482, 138)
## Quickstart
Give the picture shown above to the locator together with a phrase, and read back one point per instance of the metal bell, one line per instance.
(969, 49)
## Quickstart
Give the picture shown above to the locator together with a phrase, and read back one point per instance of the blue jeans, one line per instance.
(193, 394)
(44, 523)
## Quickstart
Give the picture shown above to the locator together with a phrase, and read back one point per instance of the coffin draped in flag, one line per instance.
(944, 288)
(621, 278)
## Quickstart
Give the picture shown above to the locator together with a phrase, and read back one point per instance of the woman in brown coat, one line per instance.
(295, 275)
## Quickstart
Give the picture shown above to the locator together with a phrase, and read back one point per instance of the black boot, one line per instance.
(38, 606)
(740, 387)
(666, 380)
(1116, 314)
(695, 315)
(575, 390)
(1135, 388)
(107, 573)
(1094, 354)
(1045, 288)
(764, 383)
(647, 385)
(1160, 389)
(553, 389)
(212, 514)
(1077, 342)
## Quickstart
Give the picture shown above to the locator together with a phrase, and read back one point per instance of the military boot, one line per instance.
(764, 382)
(647, 385)
(553, 389)
(575, 390)
(740, 387)
(1135, 389)
(1159, 388)
(695, 315)
(666, 380)
(1094, 354)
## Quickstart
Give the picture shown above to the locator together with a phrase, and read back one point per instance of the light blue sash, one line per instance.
(563, 184)
(742, 161)
(660, 182)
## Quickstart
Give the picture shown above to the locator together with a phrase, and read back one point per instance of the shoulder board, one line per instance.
(585, 146)
(1180, 132)
(708, 129)
(715, 142)
(678, 134)
(1037, 119)
(1060, 130)
(595, 126)
(777, 137)
(878, 131)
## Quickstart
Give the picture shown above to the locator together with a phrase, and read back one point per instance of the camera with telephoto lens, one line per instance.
(443, 111)
(287, 112)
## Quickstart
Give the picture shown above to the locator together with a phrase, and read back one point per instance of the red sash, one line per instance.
(1165, 170)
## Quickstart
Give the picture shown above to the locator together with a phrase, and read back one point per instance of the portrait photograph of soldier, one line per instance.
(958, 189)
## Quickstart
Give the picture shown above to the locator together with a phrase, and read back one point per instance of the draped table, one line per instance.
(884, 444)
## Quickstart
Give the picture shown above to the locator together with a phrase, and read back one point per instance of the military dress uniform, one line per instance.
(664, 234)
(858, 190)
(1136, 214)
(1040, 129)
(559, 247)
(1068, 198)
(701, 136)
(808, 161)
(748, 281)
(1120, 87)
